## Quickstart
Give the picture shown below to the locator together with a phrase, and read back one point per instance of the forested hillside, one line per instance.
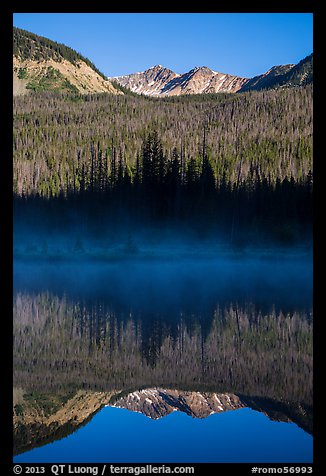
(269, 133)
(28, 46)
(45, 65)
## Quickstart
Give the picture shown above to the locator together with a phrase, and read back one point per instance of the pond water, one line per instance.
(118, 435)
(165, 361)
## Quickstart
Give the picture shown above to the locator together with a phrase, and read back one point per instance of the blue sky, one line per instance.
(243, 44)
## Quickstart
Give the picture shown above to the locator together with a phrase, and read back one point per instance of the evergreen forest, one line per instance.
(233, 166)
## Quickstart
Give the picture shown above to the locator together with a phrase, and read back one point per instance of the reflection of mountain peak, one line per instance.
(157, 402)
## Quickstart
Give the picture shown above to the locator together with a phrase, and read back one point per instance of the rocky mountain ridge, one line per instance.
(160, 81)
(290, 75)
(263, 80)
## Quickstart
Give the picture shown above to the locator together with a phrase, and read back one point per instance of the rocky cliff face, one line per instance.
(160, 81)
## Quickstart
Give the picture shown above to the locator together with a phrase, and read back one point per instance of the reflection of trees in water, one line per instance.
(61, 344)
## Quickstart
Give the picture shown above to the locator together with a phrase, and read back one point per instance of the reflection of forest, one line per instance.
(65, 345)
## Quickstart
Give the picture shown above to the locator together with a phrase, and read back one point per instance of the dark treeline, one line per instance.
(167, 190)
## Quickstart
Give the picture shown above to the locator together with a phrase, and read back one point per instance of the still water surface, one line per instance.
(194, 361)
(117, 435)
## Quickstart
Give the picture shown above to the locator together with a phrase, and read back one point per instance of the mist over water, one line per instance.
(274, 280)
